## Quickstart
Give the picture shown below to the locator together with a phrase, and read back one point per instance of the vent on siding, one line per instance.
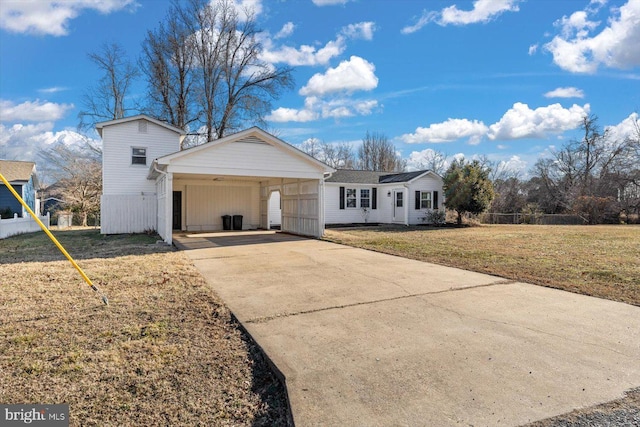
(142, 126)
(252, 140)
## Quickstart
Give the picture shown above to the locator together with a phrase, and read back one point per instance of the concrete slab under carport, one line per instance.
(364, 338)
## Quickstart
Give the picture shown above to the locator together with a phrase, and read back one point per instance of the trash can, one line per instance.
(226, 222)
(237, 222)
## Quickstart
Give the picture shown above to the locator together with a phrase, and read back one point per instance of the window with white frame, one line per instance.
(365, 198)
(352, 198)
(138, 156)
(425, 200)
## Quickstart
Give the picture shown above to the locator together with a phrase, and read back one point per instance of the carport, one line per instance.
(236, 175)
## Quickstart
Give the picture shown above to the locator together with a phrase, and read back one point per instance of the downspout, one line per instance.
(407, 205)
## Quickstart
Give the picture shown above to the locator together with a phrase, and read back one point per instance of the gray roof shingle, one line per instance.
(349, 176)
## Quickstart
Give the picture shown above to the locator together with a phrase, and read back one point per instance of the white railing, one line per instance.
(17, 225)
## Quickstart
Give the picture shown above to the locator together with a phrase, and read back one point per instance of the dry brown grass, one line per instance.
(602, 261)
(166, 351)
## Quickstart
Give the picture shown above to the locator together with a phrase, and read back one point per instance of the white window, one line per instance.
(138, 156)
(352, 198)
(425, 200)
(365, 198)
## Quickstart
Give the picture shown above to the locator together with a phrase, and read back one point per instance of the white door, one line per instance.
(398, 206)
(275, 212)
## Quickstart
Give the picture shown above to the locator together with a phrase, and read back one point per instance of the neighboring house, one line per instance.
(22, 177)
(149, 184)
(382, 197)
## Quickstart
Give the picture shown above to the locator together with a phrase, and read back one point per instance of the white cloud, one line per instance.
(483, 11)
(51, 17)
(533, 49)
(329, 2)
(282, 115)
(349, 76)
(36, 111)
(316, 108)
(615, 46)
(628, 128)
(565, 92)
(514, 164)
(54, 89)
(304, 55)
(285, 31)
(447, 131)
(312, 55)
(520, 121)
(246, 7)
(361, 30)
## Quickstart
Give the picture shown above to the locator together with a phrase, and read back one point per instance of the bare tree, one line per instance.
(377, 153)
(204, 69)
(78, 172)
(338, 156)
(587, 176)
(107, 100)
(433, 160)
(169, 64)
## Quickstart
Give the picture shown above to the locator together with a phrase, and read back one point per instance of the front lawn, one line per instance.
(166, 351)
(602, 261)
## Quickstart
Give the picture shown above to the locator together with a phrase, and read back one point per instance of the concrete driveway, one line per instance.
(367, 339)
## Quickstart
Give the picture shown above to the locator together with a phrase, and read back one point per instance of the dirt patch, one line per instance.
(166, 351)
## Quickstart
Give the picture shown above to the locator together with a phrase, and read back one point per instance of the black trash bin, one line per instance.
(237, 222)
(226, 222)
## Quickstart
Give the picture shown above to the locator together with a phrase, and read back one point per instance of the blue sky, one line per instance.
(508, 79)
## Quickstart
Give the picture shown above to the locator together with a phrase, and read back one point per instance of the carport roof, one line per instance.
(253, 135)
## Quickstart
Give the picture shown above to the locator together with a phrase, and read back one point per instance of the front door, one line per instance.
(177, 210)
(398, 206)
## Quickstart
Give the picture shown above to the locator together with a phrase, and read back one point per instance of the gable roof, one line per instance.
(348, 176)
(165, 125)
(253, 134)
(17, 171)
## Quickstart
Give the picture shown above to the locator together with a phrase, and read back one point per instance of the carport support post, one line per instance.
(168, 209)
(320, 208)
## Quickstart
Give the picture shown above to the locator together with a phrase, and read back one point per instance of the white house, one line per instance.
(382, 197)
(150, 184)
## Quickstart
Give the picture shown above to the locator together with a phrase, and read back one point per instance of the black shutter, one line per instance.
(341, 197)
(374, 198)
(435, 200)
(417, 200)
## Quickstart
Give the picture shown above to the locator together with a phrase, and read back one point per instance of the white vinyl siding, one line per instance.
(335, 215)
(245, 158)
(426, 184)
(119, 176)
